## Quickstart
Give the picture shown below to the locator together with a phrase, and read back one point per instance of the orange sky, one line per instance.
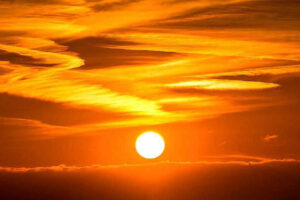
(80, 80)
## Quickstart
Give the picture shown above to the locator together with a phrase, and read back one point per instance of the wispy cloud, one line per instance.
(269, 138)
(130, 58)
(240, 160)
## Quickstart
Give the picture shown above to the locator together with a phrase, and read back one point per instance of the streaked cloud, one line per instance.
(218, 84)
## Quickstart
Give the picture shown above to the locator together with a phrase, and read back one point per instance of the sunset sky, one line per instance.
(80, 80)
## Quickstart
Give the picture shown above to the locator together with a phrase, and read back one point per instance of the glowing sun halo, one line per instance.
(150, 145)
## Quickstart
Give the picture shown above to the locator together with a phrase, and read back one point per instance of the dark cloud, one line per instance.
(15, 58)
(278, 181)
(99, 41)
(100, 53)
(113, 5)
(265, 14)
(234, 183)
(6, 34)
(51, 112)
(51, 186)
(186, 1)
(33, 1)
(4, 71)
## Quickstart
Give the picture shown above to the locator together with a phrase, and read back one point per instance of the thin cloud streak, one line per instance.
(219, 84)
(252, 161)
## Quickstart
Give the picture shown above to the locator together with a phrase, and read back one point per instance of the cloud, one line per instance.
(37, 2)
(113, 55)
(243, 160)
(18, 129)
(15, 58)
(269, 138)
(219, 84)
(53, 113)
(108, 6)
(280, 70)
(169, 182)
(267, 15)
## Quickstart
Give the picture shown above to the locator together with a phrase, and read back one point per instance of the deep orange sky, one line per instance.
(81, 79)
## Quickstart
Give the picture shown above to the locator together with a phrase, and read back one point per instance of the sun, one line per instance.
(150, 145)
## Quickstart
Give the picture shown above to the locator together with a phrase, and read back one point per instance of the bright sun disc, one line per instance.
(150, 145)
